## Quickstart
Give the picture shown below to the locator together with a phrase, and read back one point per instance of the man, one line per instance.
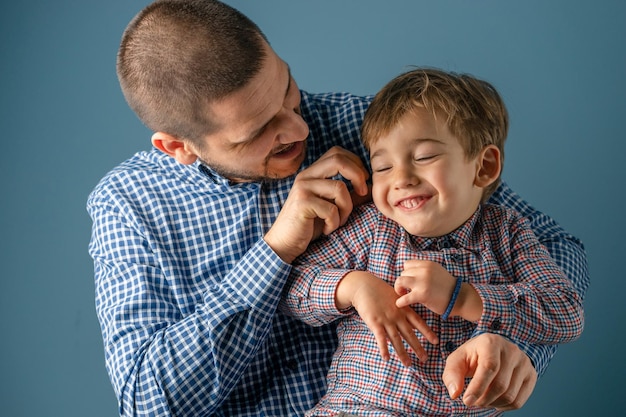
(192, 242)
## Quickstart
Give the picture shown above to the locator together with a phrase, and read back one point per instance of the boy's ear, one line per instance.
(489, 166)
(174, 147)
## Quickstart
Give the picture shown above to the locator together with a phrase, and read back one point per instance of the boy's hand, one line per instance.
(430, 284)
(427, 283)
(375, 301)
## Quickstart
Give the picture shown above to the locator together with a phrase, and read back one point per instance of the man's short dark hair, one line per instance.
(178, 56)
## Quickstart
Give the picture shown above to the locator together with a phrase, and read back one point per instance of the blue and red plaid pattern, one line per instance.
(526, 297)
(187, 290)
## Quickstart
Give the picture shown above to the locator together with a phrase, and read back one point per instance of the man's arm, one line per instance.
(163, 361)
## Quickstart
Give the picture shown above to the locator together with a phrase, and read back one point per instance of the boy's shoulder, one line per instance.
(368, 219)
(495, 216)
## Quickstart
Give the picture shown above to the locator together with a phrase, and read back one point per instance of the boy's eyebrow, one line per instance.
(260, 130)
(415, 141)
(378, 153)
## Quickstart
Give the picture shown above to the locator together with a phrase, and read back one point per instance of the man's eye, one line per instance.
(381, 169)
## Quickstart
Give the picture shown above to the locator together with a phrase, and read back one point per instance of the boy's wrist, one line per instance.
(348, 288)
(468, 305)
(345, 291)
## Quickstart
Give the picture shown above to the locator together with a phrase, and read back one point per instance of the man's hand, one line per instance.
(375, 300)
(502, 375)
(316, 203)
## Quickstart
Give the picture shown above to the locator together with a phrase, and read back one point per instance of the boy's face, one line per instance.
(421, 177)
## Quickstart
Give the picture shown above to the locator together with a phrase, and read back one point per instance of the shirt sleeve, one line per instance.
(160, 358)
(309, 294)
(566, 250)
(540, 305)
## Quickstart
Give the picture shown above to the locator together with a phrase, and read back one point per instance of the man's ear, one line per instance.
(174, 147)
(489, 166)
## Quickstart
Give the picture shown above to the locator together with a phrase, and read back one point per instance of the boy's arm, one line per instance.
(566, 250)
(539, 305)
(309, 294)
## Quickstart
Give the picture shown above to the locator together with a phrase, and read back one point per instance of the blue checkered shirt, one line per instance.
(526, 297)
(187, 289)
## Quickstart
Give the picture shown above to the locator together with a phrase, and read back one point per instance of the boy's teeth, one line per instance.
(413, 202)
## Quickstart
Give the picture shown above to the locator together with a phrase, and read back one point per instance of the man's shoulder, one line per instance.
(140, 164)
(144, 171)
(340, 103)
(334, 119)
(334, 98)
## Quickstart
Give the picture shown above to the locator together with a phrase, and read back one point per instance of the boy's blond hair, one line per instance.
(473, 110)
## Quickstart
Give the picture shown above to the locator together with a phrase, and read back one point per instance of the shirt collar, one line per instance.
(459, 238)
(209, 173)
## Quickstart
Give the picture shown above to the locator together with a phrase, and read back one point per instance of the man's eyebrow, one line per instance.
(260, 130)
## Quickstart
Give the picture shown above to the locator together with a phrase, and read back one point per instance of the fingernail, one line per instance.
(469, 400)
(452, 389)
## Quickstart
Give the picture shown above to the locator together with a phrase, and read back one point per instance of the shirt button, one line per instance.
(292, 364)
(496, 324)
(450, 346)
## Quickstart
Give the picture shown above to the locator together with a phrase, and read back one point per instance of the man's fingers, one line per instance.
(327, 199)
(526, 389)
(504, 387)
(502, 376)
(358, 199)
(338, 161)
(486, 371)
(454, 374)
(520, 389)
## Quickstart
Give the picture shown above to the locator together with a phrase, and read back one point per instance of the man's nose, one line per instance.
(292, 127)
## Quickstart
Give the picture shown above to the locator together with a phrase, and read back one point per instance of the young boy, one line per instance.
(429, 254)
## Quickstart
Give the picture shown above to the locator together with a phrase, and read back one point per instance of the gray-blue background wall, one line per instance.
(560, 66)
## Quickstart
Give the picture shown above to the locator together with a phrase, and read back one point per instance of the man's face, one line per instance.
(261, 133)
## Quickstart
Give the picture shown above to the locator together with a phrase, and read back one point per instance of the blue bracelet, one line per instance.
(455, 295)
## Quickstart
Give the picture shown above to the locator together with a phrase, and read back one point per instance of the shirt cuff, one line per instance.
(497, 317)
(258, 278)
(322, 293)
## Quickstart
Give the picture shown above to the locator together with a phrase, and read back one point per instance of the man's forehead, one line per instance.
(245, 112)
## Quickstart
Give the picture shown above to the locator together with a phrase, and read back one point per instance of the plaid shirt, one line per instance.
(187, 290)
(525, 297)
